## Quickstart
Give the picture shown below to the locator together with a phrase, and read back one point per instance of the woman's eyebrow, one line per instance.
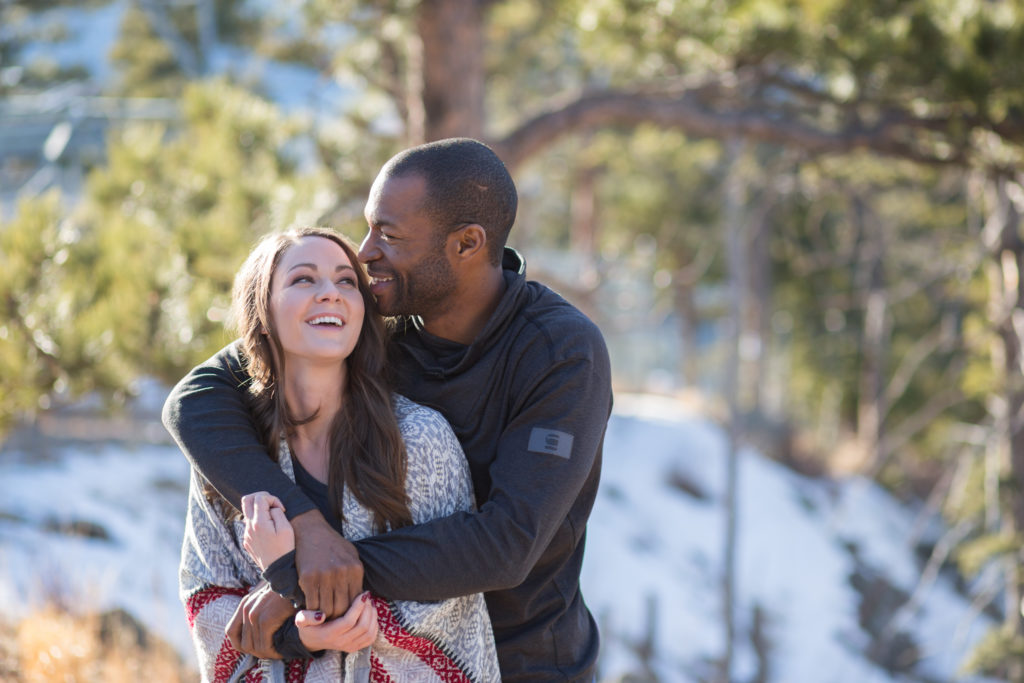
(342, 266)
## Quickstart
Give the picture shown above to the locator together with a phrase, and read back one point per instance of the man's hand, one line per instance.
(330, 573)
(257, 617)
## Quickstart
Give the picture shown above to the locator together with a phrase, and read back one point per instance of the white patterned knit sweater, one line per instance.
(450, 640)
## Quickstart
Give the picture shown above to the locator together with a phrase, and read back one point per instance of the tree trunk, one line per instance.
(736, 247)
(583, 214)
(759, 305)
(1006, 311)
(685, 305)
(874, 301)
(453, 68)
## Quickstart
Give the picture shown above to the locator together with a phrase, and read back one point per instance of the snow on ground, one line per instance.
(135, 495)
(653, 551)
(648, 541)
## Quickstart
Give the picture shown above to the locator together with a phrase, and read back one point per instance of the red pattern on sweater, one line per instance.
(227, 661)
(204, 596)
(427, 651)
(297, 669)
(378, 674)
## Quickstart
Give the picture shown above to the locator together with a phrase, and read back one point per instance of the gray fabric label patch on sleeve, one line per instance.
(550, 441)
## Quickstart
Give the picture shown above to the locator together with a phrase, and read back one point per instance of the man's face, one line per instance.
(403, 252)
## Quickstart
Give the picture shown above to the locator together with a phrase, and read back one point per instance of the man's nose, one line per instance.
(368, 250)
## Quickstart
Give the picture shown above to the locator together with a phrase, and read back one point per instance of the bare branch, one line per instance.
(890, 135)
(909, 365)
(909, 428)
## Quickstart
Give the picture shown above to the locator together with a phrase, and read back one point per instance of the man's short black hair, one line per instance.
(466, 183)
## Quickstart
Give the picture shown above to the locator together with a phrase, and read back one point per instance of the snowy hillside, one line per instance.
(802, 542)
(100, 526)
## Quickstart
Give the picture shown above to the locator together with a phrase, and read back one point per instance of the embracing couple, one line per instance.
(403, 500)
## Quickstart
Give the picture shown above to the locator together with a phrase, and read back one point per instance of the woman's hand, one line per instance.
(268, 535)
(352, 631)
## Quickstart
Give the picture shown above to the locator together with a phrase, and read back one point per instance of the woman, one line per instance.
(370, 460)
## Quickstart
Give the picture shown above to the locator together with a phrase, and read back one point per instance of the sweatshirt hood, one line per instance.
(439, 358)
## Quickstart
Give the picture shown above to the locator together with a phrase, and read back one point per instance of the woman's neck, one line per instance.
(312, 389)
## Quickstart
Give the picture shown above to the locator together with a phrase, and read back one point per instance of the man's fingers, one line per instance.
(309, 589)
(234, 629)
(328, 605)
(245, 626)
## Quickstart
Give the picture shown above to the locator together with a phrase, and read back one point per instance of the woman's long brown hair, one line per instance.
(367, 452)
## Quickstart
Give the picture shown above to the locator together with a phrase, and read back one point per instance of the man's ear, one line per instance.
(470, 240)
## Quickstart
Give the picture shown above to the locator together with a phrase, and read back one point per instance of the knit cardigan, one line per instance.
(448, 641)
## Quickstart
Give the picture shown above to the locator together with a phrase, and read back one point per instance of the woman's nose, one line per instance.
(328, 291)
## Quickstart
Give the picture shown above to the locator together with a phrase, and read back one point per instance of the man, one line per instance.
(522, 376)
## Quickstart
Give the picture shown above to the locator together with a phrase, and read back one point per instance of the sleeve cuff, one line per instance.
(283, 577)
(289, 645)
(296, 502)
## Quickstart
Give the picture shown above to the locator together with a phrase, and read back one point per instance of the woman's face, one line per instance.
(315, 303)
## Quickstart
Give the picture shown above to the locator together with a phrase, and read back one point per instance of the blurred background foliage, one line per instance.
(831, 190)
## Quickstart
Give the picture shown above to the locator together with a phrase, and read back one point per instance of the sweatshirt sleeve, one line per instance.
(209, 418)
(544, 457)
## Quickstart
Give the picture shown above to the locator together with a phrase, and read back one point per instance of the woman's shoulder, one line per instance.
(437, 478)
(414, 416)
(424, 430)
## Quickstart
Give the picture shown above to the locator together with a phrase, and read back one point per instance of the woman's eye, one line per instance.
(347, 281)
(302, 278)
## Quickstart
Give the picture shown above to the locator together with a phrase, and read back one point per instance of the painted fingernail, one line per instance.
(366, 597)
(318, 615)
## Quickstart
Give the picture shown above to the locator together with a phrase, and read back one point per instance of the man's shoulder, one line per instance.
(557, 320)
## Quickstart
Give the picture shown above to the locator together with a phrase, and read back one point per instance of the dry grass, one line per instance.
(52, 645)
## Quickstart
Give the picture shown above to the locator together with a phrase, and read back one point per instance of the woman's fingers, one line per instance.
(307, 617)
(273, 501)
(261, 511)
(354, 630)
(367, 622)
(247, 503)
(259, 504)
(277, 518)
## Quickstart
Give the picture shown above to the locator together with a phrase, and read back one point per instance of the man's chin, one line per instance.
(386, 308)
